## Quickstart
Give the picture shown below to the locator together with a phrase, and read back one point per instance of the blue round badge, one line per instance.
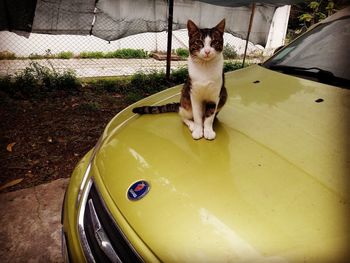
(138, 190)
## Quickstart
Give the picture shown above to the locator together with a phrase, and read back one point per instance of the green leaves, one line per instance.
(317, 11)
(35, 79)
(306, 17)
(314, 5)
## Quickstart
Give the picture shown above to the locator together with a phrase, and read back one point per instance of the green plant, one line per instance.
(127, 53)
(117, 85)
(35, 56)
(48, 54)
(149, 83)
(229, 52)
(65, 55)
(133, 96)
(317, 11)
(179, 75)
(6, 84)
(306, 13)
(95, 54)
(182, 52)
(36, 78)
(231, 66)
(7, 55)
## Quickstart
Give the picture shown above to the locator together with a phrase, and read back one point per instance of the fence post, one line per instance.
(170, 34)
(248, 34)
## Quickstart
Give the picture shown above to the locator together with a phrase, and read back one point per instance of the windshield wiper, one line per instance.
(313, 71)
(321, 75)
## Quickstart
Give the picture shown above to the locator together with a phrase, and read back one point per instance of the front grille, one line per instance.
(105, 240)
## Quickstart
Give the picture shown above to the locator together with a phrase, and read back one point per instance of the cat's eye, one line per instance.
(198, 42)
(214, 42)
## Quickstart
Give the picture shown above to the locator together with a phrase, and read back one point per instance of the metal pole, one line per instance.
(170, 33)
(248, 34)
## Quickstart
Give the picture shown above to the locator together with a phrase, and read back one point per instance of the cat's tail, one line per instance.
(170, 107)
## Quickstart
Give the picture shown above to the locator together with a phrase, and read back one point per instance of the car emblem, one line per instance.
(138, 190)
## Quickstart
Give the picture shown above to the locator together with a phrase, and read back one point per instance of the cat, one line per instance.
(204, 93)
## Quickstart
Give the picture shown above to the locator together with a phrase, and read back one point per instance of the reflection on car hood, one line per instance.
(271, 187)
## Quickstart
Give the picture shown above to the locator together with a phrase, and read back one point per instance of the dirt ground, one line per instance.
(43, 138)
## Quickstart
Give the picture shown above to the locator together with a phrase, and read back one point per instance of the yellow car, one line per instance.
(272, 187)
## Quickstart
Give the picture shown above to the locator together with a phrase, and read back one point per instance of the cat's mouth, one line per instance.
(207, 57)
(204, 57)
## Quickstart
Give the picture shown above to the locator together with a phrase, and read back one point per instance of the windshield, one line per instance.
(322, 54)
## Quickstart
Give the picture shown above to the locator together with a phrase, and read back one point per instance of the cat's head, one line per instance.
(205, 43)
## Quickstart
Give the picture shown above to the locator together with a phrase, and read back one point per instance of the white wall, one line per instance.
(278, 30)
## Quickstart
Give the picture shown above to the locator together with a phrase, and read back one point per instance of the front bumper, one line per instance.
(64, 247)
(90, 233)
(101, 237)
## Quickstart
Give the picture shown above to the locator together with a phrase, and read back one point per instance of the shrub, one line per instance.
(229, 52)
(26, 82)
(96, 54)
(113, 85)
(231, 66)
(127, 53)
(35, 56)
(6, 84)
(48, 54)
(179, 76)
(182, 52)
(133, 96)
(149, 83)
(36, 78)
(7, 55)
(65, 55)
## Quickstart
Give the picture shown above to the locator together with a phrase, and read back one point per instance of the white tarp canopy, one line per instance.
(121, 18)
(115, 19)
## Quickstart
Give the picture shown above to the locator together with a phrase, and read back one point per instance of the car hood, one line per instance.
(271, 187)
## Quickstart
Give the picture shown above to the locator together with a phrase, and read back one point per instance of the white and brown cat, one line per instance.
(204, 93)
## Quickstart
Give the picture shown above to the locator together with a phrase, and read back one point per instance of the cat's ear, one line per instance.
(221, 26)
(192, 28)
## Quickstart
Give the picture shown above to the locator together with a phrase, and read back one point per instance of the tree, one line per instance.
(306, 13)
(317, 11)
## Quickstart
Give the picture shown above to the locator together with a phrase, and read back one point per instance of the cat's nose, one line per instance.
(207, 51)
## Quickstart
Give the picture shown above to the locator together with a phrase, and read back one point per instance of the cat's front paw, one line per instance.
(197, 133)
(191, 125)
(209, 134)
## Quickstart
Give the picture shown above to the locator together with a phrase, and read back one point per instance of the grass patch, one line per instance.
(94, 54)
(7, 55)
(127, 53)
(231, 66)
(36, 79)
(182, 52)
(65, 55)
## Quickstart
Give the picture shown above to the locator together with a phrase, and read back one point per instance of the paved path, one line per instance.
(30, 223)
(91, 67)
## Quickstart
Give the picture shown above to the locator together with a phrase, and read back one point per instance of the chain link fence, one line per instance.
(90, 56)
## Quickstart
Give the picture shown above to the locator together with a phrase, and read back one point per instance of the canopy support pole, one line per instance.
(170, 34)
(248, 34)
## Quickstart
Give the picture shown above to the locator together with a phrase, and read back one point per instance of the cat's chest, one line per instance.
(208, 78)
